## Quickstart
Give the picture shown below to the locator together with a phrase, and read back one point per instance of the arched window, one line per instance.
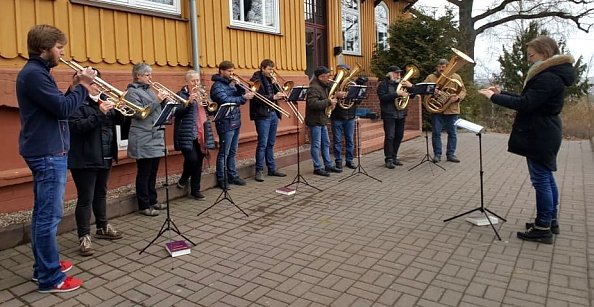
(351, 29)
(382, 24)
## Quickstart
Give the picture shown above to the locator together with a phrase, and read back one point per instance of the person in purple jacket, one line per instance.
(44, 142)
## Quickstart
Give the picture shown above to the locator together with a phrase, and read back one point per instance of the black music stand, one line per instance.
(225, 193)
(299, 93)
(357, 93)
(168, 224)
(478, 130)
(425, 89)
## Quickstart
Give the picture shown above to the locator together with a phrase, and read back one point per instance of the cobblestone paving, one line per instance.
(357, 243)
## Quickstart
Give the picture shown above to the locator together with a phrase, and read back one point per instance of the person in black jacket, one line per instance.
(93, 149)
(266, 119)
(316, 120)
(192, 134)
(393, 119)
(44, 142)
(536, 131)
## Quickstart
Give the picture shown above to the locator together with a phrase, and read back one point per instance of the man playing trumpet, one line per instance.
(266, 119)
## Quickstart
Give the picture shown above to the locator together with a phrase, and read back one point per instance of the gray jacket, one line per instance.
(144, 140)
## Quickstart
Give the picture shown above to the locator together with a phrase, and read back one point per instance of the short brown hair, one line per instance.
(226, 65)
(266, 63)
(44, 37)
(544, 45)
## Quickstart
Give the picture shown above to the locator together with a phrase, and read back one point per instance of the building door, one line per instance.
(316, 37)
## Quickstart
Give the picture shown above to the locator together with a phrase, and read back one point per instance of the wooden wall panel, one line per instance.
(107, 36)
(9, 42)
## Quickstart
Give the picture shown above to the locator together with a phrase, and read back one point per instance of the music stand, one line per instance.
(357, 93)
(168, 224)
(225, 193)
(299, 93)
(479, 132)
(425, 89)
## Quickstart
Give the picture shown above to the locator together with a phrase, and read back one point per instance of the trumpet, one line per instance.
(286, 88)
(253, 87)
(114, 95)
(171, 95)
(205, 101)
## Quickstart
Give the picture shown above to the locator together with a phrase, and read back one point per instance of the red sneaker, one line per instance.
(65, 266)
(69, 284)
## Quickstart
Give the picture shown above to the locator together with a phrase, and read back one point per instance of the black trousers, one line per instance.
(192, 167)
(393, 134)
(91, 188)
(146, 179)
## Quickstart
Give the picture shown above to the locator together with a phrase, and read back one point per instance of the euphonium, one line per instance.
(114, 95)
(412, 71)
(446, 85)
(343, 103)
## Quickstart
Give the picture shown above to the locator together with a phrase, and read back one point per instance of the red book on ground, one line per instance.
(286, 190)
(177, 248)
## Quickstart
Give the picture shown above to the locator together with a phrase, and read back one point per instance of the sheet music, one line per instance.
(462, 123)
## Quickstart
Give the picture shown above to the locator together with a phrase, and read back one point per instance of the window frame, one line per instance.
(356, 14)
(138, 6)
(387, 20)
(246, 25)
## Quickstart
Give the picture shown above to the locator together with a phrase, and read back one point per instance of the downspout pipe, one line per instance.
(194, 33)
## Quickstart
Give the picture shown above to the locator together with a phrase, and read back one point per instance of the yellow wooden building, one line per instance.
(176, 35)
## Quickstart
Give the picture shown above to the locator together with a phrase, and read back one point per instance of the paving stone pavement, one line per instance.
(357, 243)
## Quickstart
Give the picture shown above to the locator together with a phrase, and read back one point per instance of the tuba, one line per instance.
(447, 85)
(340, 84)
(412, 71)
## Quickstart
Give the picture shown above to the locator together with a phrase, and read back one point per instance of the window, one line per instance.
(259, 15)
(351, 31)
(381, 26)
(161, 6)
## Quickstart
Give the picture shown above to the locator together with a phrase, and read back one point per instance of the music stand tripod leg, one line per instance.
(427, 157)
(299, 178)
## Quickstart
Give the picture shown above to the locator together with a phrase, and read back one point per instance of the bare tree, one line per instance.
(576, 12)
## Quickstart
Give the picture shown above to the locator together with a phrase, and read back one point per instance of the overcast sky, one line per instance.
(489, 44)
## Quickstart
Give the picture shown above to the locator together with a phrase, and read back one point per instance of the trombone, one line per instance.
(286, 89)
(253, 87)
(114, 95)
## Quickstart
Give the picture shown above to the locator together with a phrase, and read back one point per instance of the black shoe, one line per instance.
(436, 159)
(390, 164)
(453, 159)
(237, 181)
(397, 162)
(554, 227)
(338, 165)
(350, 165)
(197, 196)
(276, 173)
(181, 184)
(321, 172)
(222, 184)
(537, 235)
(259, 176)
(333, 169)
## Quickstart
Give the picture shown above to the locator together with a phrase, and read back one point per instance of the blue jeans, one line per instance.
(228, 142)
(49, 182)
(320, 143)
(438, 121)
(266, 129)
(547, 194)
(344, 128)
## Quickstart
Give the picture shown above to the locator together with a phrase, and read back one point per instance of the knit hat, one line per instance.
(321, 70)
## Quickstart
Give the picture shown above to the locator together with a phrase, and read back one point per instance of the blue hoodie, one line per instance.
(44, 110)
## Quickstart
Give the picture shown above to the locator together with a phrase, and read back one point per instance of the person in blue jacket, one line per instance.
(536, 131)
(229, 95)
(192, 134)
(44, 142)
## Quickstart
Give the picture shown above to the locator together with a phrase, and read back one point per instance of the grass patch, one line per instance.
(578, 119)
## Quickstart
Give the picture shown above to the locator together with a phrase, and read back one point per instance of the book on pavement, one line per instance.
(177, 248)
(286, 190)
